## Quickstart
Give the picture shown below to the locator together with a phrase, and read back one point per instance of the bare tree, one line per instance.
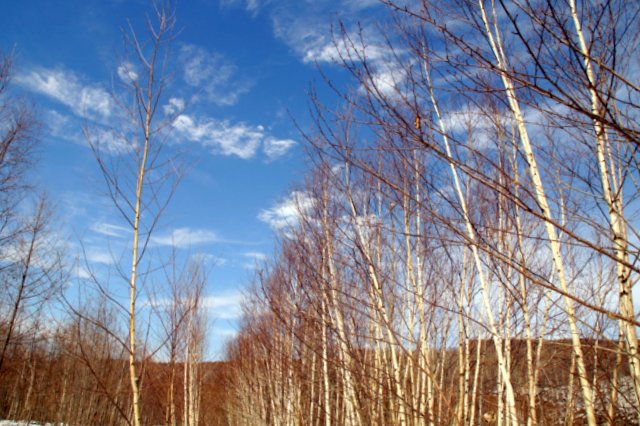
(33, 273)
(18, 127)
(32, 261)
(139, 176)
(18, 135)
(184, 323)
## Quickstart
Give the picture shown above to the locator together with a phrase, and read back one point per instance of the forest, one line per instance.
(465, 249)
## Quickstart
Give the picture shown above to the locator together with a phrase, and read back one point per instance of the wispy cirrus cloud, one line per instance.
(251, 6)
(210, 259)
(127, 72)
(107, 140)
(227, 305)
(222, 137)
(255, 255)
(111, 230)
(84, 100)
(253, 259)
(286, 213)
(95, 255)
(80, 271)
(174, 106)
(387, 73)
(224, 306)
(313, 7)
(346, 46)
(307, 28)
(275, 148)
(475, 122)
(310, 29)
(69, 89)
(185, 238)
(230, 139)
(110, 141)
(213, 74)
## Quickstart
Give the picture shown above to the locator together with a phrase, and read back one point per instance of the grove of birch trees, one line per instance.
(466, 246)
(86, 356)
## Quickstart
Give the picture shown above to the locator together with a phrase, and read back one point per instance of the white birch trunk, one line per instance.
(554, 243)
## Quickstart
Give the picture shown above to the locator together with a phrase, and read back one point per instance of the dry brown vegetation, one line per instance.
(49, 383)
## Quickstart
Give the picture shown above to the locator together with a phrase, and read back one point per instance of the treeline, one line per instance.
(78, 378)
(466, 245)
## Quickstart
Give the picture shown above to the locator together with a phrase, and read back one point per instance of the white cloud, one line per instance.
(68, 128)
(388, 78)
(287, 213)
(473, 121)
(185, 237)
(82, 272)
(358, 5)
(224, 138)
(311, 37)
(230, 139)
(127, 73)
(45, 252)
(251, 6)
(218, 306)
(111, 230)
(275, 148)
(227, 333)
(76, 205)
(328, 50)
(256, 255)
(224, 306)
(462, 119)
(213, 74)
(64, 127)
(57, 121)
(85, 100)
(175, 105)
(306, 27)
(302, 32)
(322, 53)
(210, 259)
(254, 259)
(95, 256)
(111, 142)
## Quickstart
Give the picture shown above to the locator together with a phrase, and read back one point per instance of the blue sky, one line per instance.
(250, 64)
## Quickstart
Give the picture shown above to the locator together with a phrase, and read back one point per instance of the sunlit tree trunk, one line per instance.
(613, 197)
(493, 34)
(480, 269)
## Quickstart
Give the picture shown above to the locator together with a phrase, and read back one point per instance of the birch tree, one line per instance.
(140, 177)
